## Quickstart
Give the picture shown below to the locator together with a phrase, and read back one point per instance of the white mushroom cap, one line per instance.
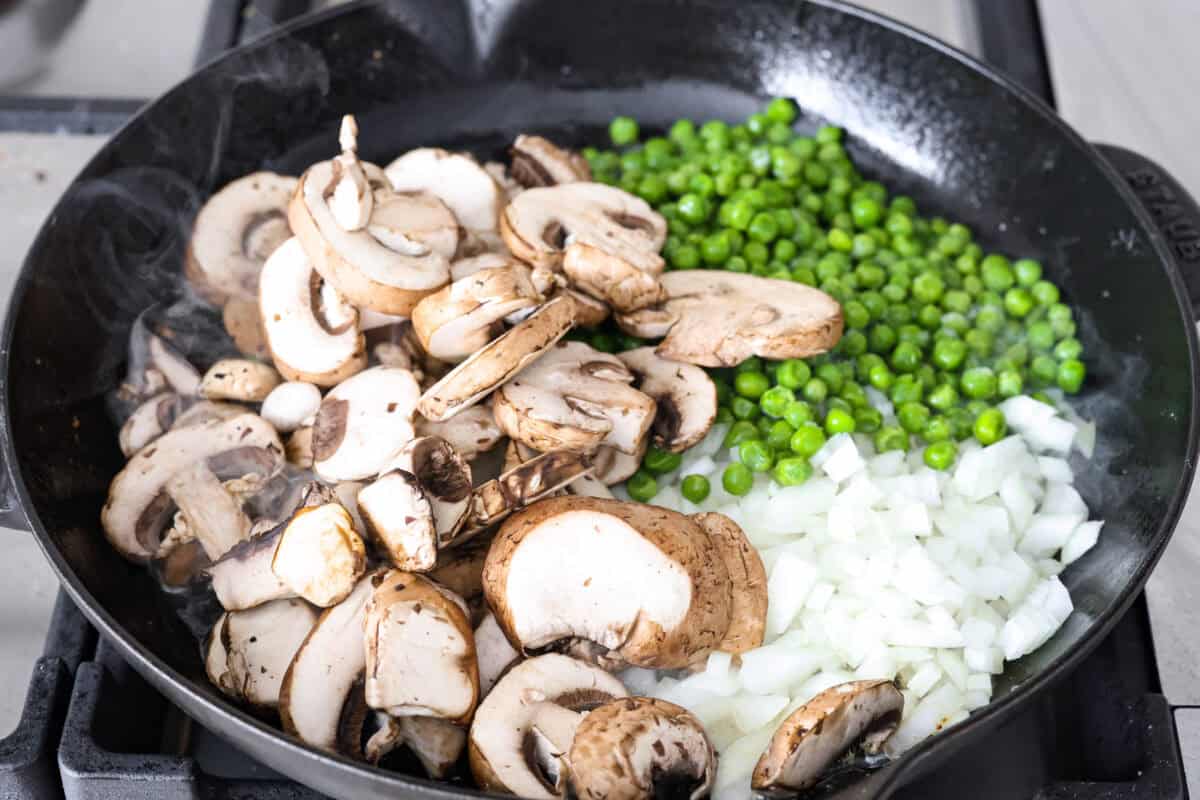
(537, 161)
(235, 231)
(248, 652)
(420, 650)
(574, 398)
(686, 397)
(493, 652)
(136, 509)
(457, 180)
(499, 360)
(458, 319)
(817, 733)
(239, 379)
(324, 671)
(401, 255)
(502, 734)
(639, 748)
(303, 343)
(748, 582)
(638, 580)
(470, 432)
(719, 319)
(291, 405)
(363, 423)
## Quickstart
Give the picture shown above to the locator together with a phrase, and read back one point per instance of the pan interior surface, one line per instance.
(918, 119)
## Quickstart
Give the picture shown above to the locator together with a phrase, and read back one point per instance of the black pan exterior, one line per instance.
(921, 118)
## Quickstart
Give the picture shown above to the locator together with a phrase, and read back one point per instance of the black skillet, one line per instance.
(921, 117)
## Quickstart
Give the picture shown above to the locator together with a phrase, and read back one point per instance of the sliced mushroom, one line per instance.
(239, 379)
(499, 360)
(610, 278)
(460, 570)
(248, 652)
(420, 650)
(522, 485)
(639, 748)
(589, 486)
(234, 233)
(244, 325)
(463, 267)
(363, 423)
(532, 695)
(214, 516)
(456, 179)
(586, 484)
(499, 173)
(203, 412)
(316, 555)
(436, 743)
(291, 405)
(152, 419)
(401, 255)
(589, 312)
(137, 508)
(537, 161)
(574, 398)
(686, 397)
(714, 318)
(327, 668)
(309, 339)
(349, 197)
(493, 652)
(866, 713)
(470, 432)
(640, 581)
(299, 448)
(178, 371)
(459, 319)
(748, 582)
(610, 466)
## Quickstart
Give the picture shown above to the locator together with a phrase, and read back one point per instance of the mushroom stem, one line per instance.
(214, 516)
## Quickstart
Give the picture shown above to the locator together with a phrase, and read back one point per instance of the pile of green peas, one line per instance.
(942, 328)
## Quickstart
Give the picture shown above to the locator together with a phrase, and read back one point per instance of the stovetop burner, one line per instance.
(92, 729)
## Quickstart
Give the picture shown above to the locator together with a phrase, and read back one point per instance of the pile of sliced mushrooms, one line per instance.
(397, 327)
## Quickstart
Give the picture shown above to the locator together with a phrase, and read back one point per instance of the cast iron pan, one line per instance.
(921, 117)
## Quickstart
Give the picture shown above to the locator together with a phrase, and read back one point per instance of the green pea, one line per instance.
(913, 416)
(996, 273)
(956, 300)
(1070, 375)
(940, 455)
(938, 429)
(797, 413)
(815, 390)
(980, 342)
(641, 486)
(867, 420)
(881, 377)
(764, 425)
(737, 479)
(906, 357)
(807, 440)
(839, 421)
(1041, 335)
(744, 408)
(840, 240)
(949, 354)
(990, 319)
(756, 253)
(1068, 348)
(793, 373)
(1009, 383)
(891, 437)
(1018, 301)
(779, 436)
(740, 432)
(623, 131)
(715, 249)
(686, 257)
(751, 384)
(792, 471)
(682, 130)
(763, 228)
(882, 338)
(854, 394)
(695, 488)
(775, 401)
(756, 454)
(661, 462)
(1028, 271)
(979, 383)
(928, 287)
(943, 397)
(693, 208)
(856, 314)
(1044, 293)
(724, 416)
(831, 374)
(906, 389)
(990, 426)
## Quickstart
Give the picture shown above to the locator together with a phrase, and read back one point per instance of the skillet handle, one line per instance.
(1176, 215)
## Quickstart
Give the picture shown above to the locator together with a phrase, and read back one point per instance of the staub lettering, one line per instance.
(1160, 200)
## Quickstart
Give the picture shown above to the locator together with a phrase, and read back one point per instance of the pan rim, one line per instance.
(185, 692)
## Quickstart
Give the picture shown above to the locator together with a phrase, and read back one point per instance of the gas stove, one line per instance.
(92, 729)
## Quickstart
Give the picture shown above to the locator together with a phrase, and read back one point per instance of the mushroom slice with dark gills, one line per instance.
(520, 486)
(137, 508)
(457, 320)
(311, 332)
(575, 398)
(315, 554)
(234, 233)
(363, 423)
(326, 671)
(638, 748)
(864, 713)
(418, 503)
(641, 583)
(248, 652)
(498, 361)
(470, 432)
(714, 318)
(686, 397)
(524, 727)
(537, 161)
(420, 650)
(604, 239)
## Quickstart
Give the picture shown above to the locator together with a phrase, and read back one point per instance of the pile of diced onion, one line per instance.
(880, 567)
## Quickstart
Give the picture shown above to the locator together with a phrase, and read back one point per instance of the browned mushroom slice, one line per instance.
(639, 581)
(235, 231)
(639, 748)
(456, 179)
(363, 423)
(525, 724)
(499, 360)
(311, 332)
(719, 319)
(137, 508)
(420, 650)
(459, 319)
(248, 652)
(686, 397)
(748, 582)
(866, 713)
(537, 161)
(574, 398)
(238, 379)
(520, 486)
